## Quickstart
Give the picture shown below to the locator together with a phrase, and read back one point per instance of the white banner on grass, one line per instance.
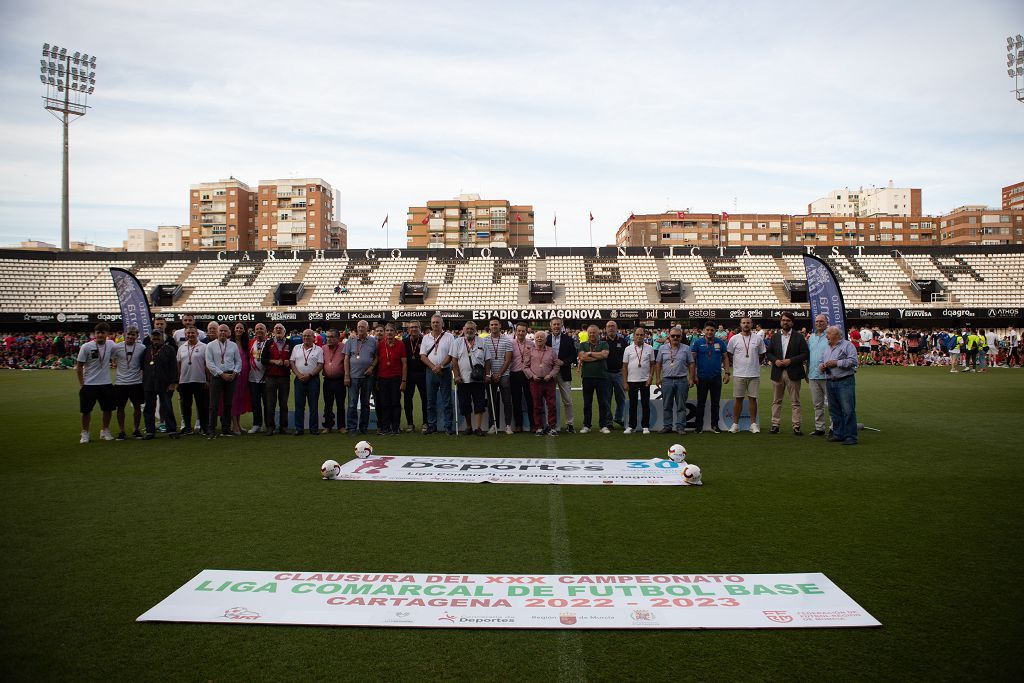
(439, 468)
(512, 600)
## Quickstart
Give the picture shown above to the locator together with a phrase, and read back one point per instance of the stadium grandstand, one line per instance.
(910, 286)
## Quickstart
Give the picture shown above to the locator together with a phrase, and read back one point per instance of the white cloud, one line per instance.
(573, 107)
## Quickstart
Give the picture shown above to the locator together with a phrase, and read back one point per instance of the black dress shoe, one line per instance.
(774, 430)
(797, 432)
(818, 432)
(834, 438)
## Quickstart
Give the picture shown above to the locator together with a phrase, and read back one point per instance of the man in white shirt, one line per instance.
(467, 353)
(746, 351)
(498, 348)
(992, 339)
(224, 362)
(192, 381)
(637, 365)
(128, 381)
(435, 352)
(93, 370)
(307, 362)
(866, 335)
(187, 321)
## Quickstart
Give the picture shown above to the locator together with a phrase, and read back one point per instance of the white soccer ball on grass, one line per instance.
(691, 475)
(330, 469)
(363, 449)
(677, 452)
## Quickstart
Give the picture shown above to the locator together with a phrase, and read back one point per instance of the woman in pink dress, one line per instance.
(241, 402)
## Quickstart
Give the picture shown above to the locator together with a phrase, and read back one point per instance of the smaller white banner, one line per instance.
(633, 601)
(439, 468)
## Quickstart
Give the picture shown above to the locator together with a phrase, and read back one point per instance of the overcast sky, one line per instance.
(609, 107)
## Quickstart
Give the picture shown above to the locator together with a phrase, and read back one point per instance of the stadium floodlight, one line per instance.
(66, 99)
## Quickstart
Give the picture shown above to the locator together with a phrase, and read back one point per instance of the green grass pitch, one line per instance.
(920, 524)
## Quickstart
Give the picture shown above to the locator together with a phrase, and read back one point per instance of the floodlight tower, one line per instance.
(69, 79)
(1015, 64)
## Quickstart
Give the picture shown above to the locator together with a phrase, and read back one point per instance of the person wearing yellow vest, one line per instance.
(973, 345)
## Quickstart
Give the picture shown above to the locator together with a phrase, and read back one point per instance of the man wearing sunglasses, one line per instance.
(675, 370)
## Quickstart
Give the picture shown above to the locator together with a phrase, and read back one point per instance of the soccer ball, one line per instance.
(330, 469)
(691, 475)
(677, 452)
(364, 449)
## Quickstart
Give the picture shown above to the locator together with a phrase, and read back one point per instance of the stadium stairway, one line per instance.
(663, 272)
(787, 274)
(780, 290)
(653, 297)
(185, 291)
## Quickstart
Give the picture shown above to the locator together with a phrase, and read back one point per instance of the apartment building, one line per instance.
(979, 224)
(965, 225)
(872, 201)
(141, 239)
(297, 213)
(469, 221)
(1013, 196)
(222, 216)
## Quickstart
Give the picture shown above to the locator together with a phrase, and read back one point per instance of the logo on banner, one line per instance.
(450, 618)
(642, 615)
(241, 613)
(778, 616)
(375, 465)
(567, 619)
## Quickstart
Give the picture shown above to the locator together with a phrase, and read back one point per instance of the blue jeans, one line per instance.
(613, 387)
(439, 399)
(674, 391)
(358, 416)
(308, 391)
(842, 407)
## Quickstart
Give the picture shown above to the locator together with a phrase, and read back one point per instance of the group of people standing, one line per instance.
(521, 380)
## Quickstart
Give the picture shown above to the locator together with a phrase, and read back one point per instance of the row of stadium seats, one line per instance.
(869, 280)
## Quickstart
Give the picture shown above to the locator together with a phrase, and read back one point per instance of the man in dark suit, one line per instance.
(787, 354)
(566, 355)
(159, 380)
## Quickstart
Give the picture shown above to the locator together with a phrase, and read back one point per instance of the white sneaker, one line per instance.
(508, 429)
(735, 429)
(106, 435)
(605, 430)
(492, 430)
(755, 428)
(254, 430)
(646, 430)
(627, 430)
(85, 437)
(585, 430)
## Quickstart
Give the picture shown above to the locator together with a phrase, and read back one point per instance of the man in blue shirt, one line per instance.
(839, 365)
(816, 344)
(712, 362)
(675, 376)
